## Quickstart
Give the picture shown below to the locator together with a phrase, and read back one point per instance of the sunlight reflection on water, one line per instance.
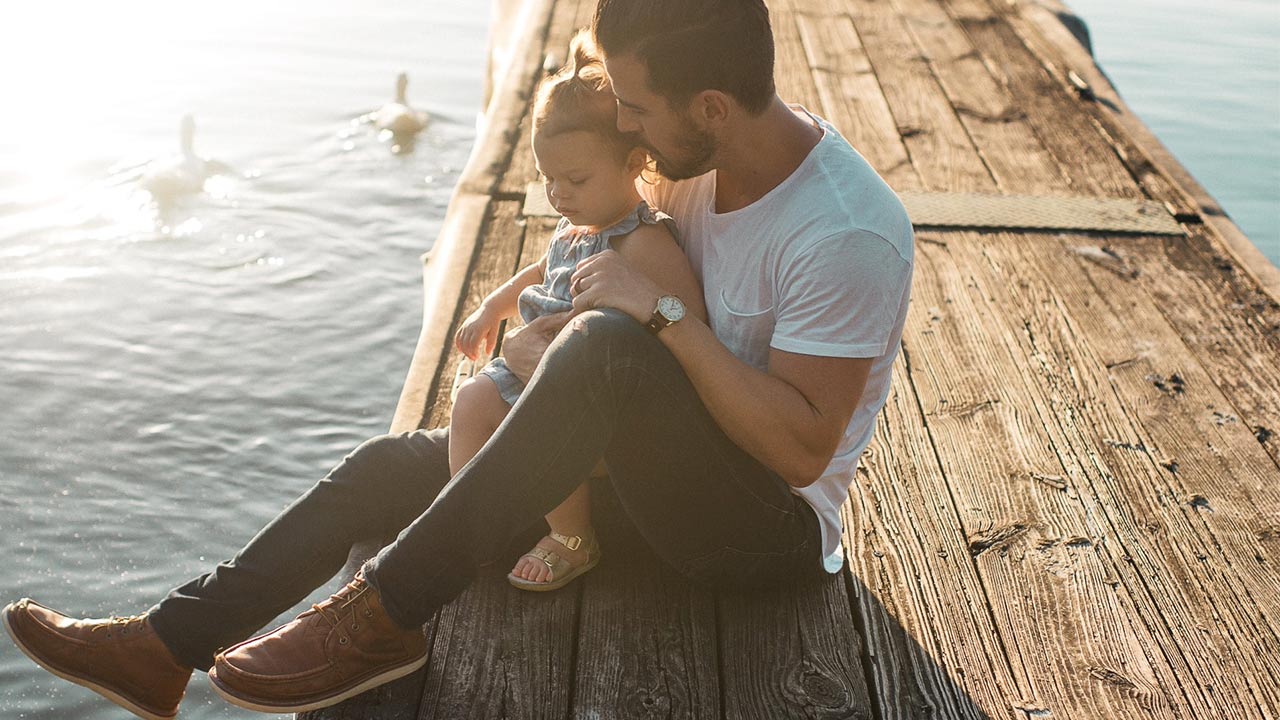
(173, 373)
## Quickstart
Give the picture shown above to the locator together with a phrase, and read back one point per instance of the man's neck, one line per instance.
(762, 152)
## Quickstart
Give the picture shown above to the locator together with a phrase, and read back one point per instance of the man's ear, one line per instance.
(713, 107)
(636, 160)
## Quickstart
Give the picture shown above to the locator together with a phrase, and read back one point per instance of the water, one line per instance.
(1205, 77)
(171, 379)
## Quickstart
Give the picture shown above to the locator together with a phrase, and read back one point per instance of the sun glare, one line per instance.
(69, 62)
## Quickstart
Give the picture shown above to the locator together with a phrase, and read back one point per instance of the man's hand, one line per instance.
(606, 279)
(523, 347)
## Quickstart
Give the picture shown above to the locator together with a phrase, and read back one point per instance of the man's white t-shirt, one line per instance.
(821, 265)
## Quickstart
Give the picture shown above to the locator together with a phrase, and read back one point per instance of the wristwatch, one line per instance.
(670, 310)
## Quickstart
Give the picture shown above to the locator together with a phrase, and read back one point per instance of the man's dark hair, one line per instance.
(693, 45)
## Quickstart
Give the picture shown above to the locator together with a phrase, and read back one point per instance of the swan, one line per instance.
(397, 116)
(180, 174)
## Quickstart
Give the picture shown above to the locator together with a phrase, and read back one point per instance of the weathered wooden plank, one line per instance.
(1228, 321)
(1061, 55)
(500, 652)
(493, 264)
(494, 147)
(1079, 602)
(935, 650)
(520, 171)
(647, 637)
(1237, 546)
(792, 652)
(1058, 118)
(926, 121)
(791, 69)
(1180, 459)
(851, 97)
(1031, 519)
(993, 119)
(931, 654)
(993, 151)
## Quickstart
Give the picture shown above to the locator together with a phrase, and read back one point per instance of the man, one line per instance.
(730, 445)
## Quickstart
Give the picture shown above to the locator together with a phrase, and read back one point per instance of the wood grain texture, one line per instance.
(1179, 458)
(500, 652)
(993, 119)
(1223, 316)
(521, 170)
(1112, 118)
(1058, 118)
(1031, 519)
(1229, 467)
(647, 637)
(926, 120)
(493, 264)
(936, 650)
(851, 97)
(792, 653)
(792, 73)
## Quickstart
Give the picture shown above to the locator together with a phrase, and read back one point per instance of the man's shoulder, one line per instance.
(842, 196)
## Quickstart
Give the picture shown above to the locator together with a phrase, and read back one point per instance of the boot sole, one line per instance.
(105, 692)
(266, 706)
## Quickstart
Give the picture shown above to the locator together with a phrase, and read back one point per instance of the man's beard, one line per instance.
(696, 148)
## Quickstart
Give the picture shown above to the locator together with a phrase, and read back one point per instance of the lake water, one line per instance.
(170, 379)
(1205, 77)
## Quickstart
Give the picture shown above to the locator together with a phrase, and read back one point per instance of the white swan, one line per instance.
(180, 174)
(397, 116)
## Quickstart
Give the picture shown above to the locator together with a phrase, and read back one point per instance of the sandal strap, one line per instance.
(573, 542)
(548, 558)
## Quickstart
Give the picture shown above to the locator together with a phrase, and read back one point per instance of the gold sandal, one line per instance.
(562, 571)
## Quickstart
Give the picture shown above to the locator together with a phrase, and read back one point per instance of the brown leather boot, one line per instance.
(336, 650)
(121, 659)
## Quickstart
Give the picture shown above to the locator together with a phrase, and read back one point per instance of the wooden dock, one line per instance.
(1072, 505)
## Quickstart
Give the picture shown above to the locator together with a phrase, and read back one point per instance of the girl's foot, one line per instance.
(554, 562)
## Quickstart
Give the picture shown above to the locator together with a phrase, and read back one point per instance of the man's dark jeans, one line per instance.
(605, 388)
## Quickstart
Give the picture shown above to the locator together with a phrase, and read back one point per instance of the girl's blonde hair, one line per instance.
(579, 97)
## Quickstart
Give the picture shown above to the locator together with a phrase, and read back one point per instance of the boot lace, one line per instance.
(120, 624)
(332, 608)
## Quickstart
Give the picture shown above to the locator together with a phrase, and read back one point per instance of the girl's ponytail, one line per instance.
(579, 97)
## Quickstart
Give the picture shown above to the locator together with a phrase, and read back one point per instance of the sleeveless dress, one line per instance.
(567, 248)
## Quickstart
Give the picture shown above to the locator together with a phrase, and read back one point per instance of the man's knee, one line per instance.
(392, 460)
(606, 327)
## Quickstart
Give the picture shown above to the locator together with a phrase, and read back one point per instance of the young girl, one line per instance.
(589, 170)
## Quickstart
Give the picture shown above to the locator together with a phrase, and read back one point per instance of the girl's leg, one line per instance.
(477, 412)
(606, 388)
(571, 517)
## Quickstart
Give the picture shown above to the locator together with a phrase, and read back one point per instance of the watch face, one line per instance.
(671, 308)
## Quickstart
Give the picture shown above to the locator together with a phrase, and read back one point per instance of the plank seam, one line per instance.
(977, 571)
(1092, 481)
(937, 80)
(860, 624)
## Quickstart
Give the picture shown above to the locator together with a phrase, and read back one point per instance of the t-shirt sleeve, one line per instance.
(841, 297)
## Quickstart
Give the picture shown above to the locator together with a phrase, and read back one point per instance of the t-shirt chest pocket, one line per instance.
(744, 323)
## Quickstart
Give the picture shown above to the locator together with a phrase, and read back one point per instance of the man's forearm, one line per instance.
(764, 415)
